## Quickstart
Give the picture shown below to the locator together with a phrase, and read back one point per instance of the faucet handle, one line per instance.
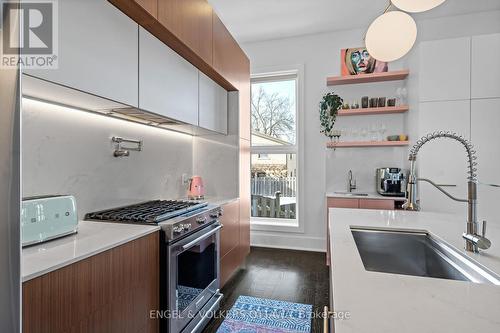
(483, 231)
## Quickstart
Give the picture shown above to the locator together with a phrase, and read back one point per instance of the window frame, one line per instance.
(283, 73)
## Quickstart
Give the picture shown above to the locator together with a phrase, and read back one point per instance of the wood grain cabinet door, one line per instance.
(151, 6)
(191, 22)
(112, 291)
(228, 56)
(376, 204)
(230, 233)
(342, 203)
(245, 198)
(244, 96)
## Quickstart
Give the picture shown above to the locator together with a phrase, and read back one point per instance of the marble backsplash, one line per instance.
(363, 162)
(66, 151)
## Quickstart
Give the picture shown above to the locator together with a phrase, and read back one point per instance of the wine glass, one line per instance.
(382, 130)
(373, 132)
(364, 133)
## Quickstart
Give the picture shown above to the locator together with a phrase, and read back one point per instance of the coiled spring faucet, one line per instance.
(473, 241)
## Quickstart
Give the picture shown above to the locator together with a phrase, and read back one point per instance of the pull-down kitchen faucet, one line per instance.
(473, 241)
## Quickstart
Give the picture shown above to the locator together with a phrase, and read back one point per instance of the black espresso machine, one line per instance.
(391, 181)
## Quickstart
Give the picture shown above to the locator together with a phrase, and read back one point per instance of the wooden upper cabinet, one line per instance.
(151, 6)
(244, 98)
(191, 22)
(227, 53)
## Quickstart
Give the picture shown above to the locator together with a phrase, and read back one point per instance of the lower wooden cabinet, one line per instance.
(376, 204)
(229, 235)
(112, 291)
(233, 246)
(228, 265)
(388, 204)
(342, 203)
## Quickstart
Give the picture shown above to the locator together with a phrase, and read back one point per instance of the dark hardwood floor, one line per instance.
(286, 275)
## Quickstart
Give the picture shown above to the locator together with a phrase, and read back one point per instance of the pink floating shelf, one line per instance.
(367, 78)
(358, 144)
(367, 111)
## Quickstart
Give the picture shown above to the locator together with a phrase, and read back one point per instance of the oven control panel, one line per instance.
(189, 223)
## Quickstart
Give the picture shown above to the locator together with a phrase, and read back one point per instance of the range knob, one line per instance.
(178, 229)
(201, 220)
(221, 211)
(186, 226)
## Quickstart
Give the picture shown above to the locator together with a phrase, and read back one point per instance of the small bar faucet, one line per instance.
(473, 241)
(351, 182)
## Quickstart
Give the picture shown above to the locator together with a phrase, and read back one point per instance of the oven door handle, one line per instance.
(194, 242)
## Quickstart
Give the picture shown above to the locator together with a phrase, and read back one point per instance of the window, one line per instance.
(274, 164)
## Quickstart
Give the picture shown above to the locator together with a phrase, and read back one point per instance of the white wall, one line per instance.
(66, 151)
(320, 54)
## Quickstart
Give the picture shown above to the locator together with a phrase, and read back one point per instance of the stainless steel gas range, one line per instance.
(189, 258)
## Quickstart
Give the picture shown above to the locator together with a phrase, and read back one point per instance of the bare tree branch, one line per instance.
(273, 115)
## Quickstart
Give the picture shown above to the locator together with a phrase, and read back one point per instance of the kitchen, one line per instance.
(168, 204)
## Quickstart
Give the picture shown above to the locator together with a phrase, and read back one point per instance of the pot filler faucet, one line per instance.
(473, 241)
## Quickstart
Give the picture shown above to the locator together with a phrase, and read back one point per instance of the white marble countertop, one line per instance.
(220, 200)
(383, 302)
(371, 195)
(216, 200)
(92, 238)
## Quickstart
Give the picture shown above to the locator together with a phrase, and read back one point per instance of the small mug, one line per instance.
(391, 102)
(364, 102)
(373, 102)
(381, 102)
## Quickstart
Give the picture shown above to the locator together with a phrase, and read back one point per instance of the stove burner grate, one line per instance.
(150, 212)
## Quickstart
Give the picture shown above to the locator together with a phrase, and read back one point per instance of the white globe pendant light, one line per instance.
(391, 36)
(416, 6)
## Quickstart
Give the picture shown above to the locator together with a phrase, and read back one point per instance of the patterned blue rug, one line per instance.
(260, 315)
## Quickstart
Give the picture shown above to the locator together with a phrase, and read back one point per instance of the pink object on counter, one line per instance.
(196, 189)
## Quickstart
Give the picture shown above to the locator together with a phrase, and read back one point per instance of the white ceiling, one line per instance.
(256, 20)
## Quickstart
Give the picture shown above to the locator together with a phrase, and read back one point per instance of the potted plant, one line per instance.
(328, 110)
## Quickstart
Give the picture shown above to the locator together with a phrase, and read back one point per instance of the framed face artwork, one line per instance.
(357, 60)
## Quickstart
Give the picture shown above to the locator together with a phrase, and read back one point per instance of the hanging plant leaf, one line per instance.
(329, 107)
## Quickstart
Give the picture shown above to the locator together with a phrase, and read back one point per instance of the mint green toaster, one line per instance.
(46, 218)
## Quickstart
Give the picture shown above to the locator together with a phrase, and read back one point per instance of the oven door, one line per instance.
(194, 275)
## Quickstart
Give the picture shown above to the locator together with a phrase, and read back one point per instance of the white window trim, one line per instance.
(285, 225)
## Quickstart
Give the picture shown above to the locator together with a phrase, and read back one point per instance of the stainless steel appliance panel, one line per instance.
(10, 190)
(391, 181)
(193, 275)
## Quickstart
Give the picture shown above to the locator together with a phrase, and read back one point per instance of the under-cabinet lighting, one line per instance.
(117, 119)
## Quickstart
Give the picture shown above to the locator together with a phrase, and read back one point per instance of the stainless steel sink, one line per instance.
(353, 194)
(417, 253)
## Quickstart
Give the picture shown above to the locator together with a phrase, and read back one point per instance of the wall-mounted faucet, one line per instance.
(473, 241)
(351, 182)
(121, 151)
